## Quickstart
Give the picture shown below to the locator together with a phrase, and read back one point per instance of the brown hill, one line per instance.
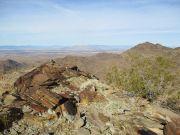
(8, 65)
(177, 48)
(97, 64)
(148, 48)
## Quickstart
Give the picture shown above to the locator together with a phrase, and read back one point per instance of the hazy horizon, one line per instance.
(89, 22)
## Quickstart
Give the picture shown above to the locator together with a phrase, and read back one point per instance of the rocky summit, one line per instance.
(57, 100)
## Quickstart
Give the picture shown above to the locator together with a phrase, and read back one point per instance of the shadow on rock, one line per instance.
(145, 131)
(8, 117)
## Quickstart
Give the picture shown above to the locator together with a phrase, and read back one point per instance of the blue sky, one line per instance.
(85, 22)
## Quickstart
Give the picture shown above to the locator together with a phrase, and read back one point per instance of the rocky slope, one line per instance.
(58, 100)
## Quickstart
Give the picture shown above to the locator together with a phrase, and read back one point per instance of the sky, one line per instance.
(89, 22)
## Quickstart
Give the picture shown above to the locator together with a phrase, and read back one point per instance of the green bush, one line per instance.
(146, 77)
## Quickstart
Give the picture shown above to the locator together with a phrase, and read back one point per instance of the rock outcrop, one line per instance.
(51, 87)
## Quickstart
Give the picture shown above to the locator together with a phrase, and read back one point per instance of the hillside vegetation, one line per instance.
(147, 77)
(154, 78)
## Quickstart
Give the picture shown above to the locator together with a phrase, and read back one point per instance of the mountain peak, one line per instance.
(149, 46)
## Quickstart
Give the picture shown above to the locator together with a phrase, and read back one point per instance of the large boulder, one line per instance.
(51, 86)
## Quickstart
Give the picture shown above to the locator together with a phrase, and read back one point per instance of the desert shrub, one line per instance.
(173, 102)
(146, 77)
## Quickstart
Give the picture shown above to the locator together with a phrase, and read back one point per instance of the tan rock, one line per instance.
(93, 119)
(9, 99)
(103, 118)
(157, 131)
(83, 131)
(79, 123)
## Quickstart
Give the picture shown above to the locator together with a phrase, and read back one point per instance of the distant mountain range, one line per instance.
(96, 64)
(75, 48)
(95, 48)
